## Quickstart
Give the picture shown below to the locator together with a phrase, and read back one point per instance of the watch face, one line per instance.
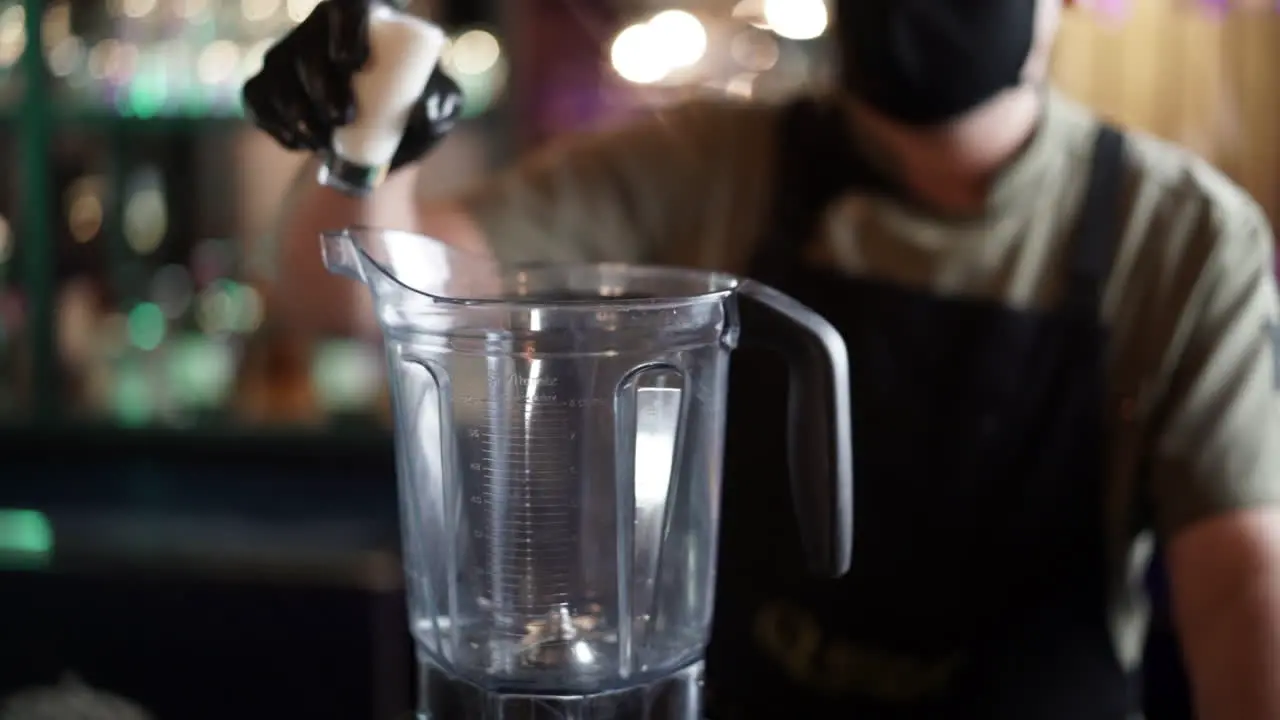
(69, 700)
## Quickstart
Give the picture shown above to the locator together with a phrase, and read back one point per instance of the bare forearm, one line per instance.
(1235, 661)
(1226, 580)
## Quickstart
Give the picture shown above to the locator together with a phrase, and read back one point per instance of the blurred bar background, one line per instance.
(136, 203)
(149, 424)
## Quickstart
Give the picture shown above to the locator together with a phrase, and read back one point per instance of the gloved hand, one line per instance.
(303, 91)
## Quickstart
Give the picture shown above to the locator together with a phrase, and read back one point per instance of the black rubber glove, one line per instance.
(303, 91)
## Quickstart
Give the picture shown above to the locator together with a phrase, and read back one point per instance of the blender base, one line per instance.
(677, 696)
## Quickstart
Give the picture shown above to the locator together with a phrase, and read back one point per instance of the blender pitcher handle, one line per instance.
(819, 419)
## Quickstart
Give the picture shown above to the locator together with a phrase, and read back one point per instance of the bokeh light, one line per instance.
(796, 19)
(299, 10)
(172, 289)
(133, 393)
(637, 57)
(13, 34)
(474, 52)
(683, 36)
(648, 52)
(147, 326)
(200, 371)
(7, 243)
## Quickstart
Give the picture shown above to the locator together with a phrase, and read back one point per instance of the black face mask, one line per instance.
(923, 62)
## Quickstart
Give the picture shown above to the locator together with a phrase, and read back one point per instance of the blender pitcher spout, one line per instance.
(338, 249)
(400, 264)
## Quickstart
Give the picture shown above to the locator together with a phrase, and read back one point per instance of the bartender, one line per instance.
(1063, 341)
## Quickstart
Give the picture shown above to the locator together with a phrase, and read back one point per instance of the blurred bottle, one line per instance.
(274, 384)
(13, 40)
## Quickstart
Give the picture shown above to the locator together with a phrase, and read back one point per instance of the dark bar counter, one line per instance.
(205, 575)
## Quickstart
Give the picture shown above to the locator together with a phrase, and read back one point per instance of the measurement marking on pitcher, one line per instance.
(545, 456)
(547, 402)
(526, 455)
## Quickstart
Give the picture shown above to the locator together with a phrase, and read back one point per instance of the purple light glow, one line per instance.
(1113, 8)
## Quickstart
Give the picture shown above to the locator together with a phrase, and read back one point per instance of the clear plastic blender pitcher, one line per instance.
(559, 432)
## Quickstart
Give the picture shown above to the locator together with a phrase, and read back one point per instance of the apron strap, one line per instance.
(1096, 233)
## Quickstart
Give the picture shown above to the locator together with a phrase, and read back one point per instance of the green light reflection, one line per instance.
(26, 537)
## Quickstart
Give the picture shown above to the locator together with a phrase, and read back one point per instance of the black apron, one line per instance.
(978, 587)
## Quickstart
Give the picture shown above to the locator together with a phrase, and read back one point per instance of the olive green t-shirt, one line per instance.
(1194, 409)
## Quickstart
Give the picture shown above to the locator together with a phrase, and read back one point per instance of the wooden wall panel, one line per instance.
(1210, 83)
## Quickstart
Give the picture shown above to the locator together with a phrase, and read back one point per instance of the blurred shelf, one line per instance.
(228, 442)
(159, 123)
(286, 478)
(359, 550)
